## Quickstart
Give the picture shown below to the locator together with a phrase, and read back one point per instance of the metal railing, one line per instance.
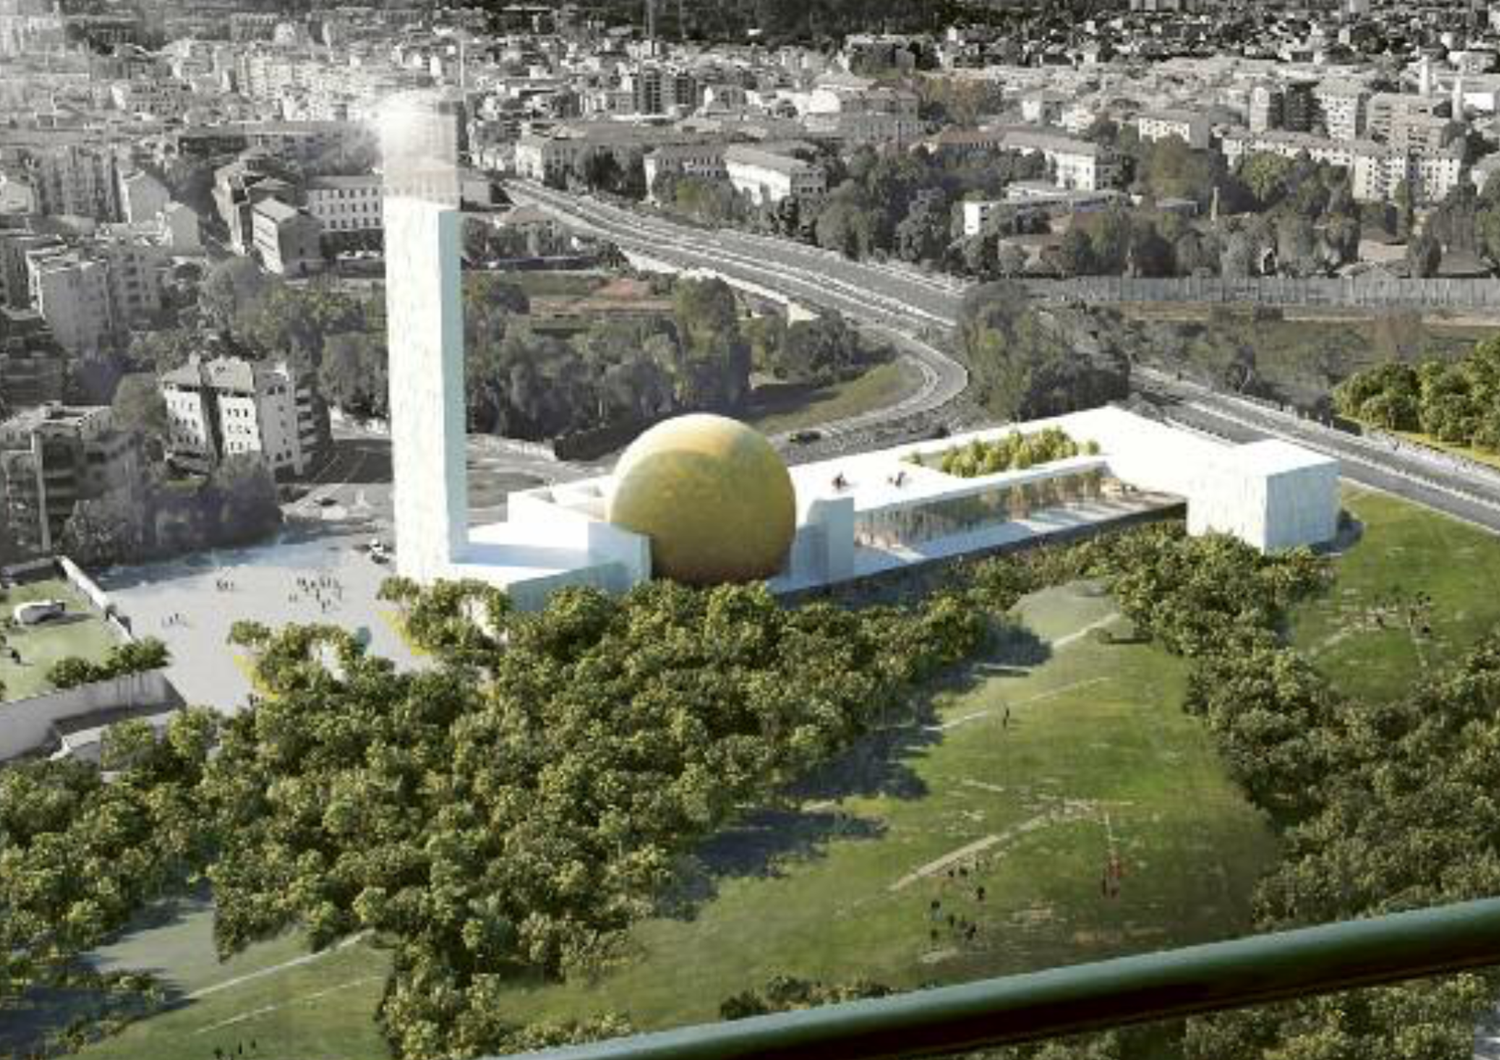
(1085, 997)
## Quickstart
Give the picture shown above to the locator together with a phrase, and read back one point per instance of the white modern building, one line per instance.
(873, 513)
(856, 516)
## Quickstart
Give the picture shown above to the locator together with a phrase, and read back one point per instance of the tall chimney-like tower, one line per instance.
(651, 22)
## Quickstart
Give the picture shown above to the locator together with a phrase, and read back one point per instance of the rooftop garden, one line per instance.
(1014, 452)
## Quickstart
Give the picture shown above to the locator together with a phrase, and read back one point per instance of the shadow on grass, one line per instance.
(34, 1022)
(877, 765)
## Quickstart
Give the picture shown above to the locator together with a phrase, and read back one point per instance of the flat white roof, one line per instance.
(1273, 456)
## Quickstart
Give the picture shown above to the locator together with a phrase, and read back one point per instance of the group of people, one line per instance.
(176, 618)
(327, 590)
(223, 585)
(958, 925)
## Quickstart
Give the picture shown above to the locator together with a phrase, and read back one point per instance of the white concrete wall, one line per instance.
(542, 522)
(1302, 507)
(25, 724)
(425, 314)
(833, 520)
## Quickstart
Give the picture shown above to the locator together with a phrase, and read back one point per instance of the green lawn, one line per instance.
(777, 408)
(1359, 632)
(82, 633)
(1097, 747)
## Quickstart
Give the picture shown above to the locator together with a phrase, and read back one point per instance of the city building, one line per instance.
(1075, 165)
(766, 177)
(1188, 126)
(54, 456)
(31, 362)
(685, 160)
(72, 291)
(1341, 109)
(77, 180)
(227, 405)
(658, 89)
(287, 240)
(348, 209)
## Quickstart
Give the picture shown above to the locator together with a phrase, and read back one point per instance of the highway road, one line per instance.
(917, 304)
(907, 305)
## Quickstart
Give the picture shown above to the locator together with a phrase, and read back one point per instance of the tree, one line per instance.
(138, 406)
(230, 290)
(245, 498)
(104, 530)
(1027, 361)
(1266, 176)
(1423, 255)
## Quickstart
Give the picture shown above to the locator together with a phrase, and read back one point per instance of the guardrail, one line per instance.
(1059, 1001)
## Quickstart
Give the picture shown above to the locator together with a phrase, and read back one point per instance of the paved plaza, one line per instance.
(262, 584)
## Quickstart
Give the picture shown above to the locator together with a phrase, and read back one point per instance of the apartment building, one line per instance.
(1188, 126)
(1076, 165)
(227, 405)
(685, 160)
(766, 177)
(71, 291)
(54, 456)
(31, 362)
(1376, 170)
(15, 278)
(1341, 109)
(348, 209)
(1392, 111)
(77, 180)
(90, 295)
(659, 89)
(287, 240)
(158, 98)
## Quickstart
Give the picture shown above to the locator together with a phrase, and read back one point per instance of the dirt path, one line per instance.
(306, 958)
(267, 1009)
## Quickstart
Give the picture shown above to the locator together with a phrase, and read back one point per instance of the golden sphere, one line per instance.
(712, 495)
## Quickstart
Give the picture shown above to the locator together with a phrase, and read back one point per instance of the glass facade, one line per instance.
(1003, 503)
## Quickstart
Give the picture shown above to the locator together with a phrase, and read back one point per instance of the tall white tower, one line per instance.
(1424, 76)
(424, 309)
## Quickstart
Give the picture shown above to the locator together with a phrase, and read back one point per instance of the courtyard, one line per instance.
(311, 574)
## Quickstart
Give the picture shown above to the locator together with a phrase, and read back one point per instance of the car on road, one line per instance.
(806, 437)
(37, 612)
(327, 502)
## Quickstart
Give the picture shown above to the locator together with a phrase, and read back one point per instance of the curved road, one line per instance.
(904, 304)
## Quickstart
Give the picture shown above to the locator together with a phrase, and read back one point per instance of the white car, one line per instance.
(35, 612)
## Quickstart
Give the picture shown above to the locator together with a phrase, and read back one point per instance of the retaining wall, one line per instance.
(26, 724)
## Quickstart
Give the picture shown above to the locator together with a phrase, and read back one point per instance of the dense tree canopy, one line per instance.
(1028, 361)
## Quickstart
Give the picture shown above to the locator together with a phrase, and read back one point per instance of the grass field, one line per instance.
(82, 633)
(1361, 633)
(1097, 754)
(290, 1003)
(778, 408)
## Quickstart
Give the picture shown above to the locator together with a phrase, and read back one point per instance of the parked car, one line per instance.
(805, 437)
(36, 612)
